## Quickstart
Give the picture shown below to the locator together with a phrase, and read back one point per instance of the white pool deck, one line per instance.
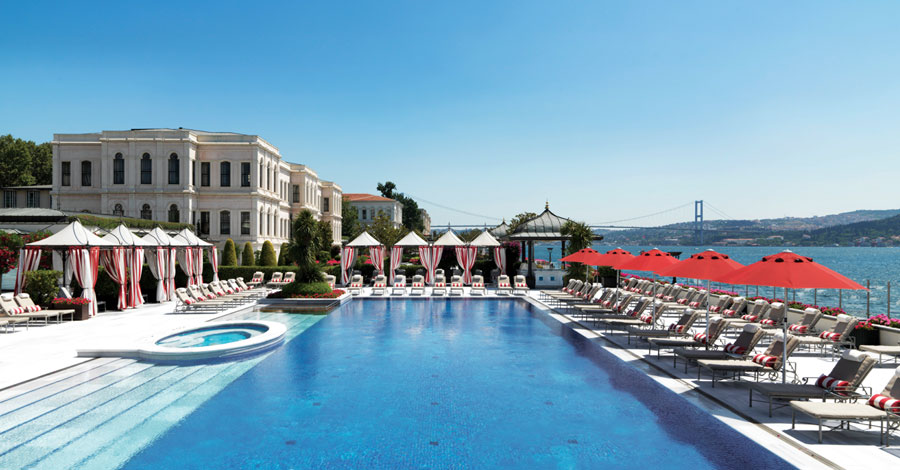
(42, 350)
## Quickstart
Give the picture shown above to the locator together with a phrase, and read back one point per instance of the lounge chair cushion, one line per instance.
(831, 336)
(749, 317)
(728, 313)
(701, 338)
(767, 322)
(837, 410)
(883, 402)
(765, 360)
(676, 328)
(735, 349)
(798, 328)
(831, 383)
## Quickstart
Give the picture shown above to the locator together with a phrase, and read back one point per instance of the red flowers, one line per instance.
(331, 295)
(74, 302)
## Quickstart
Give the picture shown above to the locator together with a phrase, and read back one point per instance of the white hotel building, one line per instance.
(228, 185)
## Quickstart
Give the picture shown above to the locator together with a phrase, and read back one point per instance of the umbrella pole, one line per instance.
(707, 314)
(784, 344)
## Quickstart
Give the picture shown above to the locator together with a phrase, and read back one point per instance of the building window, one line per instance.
(146, 169)
(174, 214)
(85, 173)
(66, 173)
(261, 173)
(9, 199)
(225, 223)
(245, 174)
(33, 199)
(204, 173)
(296, 196)
(174, 169)
(225, 174)
(325, 204)
(194, 173)
(118, 210)
(118, 169)
(146, 213)
(245, 223)
(364, 214)
(204, 222)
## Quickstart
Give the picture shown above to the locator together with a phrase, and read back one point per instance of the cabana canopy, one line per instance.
(124, 237)
(411, 239)
(191, 239)
(364, 239)
(157, 237)
(485, 239)
(449, 239)
(75, 235)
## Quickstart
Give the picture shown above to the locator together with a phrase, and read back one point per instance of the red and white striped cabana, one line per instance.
(160, 253)
(486, 240)
(411, 239)
(465, 255)
(80, 255)
(124, 264)
(190, 258)
(348, 255)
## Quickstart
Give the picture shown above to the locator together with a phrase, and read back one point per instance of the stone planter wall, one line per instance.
(888, 336)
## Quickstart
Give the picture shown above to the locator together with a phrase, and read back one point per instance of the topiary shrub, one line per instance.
(229, 254)
(303, 289)
(267, 255)
(247, 256)
(42, 286)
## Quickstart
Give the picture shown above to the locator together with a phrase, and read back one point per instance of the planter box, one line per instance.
(888, 336)
(865, 337)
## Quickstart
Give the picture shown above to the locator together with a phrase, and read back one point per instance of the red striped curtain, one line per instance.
(84, 266)
(114, 264)
(500, 259)
(136, 265)
(348, 256)
(465, 256)
(29, 260)
(376, 253)
(214, 261)
(396, 258)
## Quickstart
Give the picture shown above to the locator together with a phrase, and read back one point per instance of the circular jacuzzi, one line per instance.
(211, 341)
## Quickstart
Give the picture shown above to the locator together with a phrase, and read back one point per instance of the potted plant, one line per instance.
(865, 333)
(79, 304)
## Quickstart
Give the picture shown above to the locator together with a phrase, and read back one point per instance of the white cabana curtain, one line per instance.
(430, 256)
(198, 265)
(396, 258)
(135, 266)
(348, 257)
(186, 261)
(29, 259)
(170, 273)
(465, 256)
(114, 263)
(157, 259)
(376, 253)
(84, 263)
(500, 258)
(214, 262)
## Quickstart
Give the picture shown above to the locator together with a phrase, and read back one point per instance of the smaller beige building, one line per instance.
(27, 197)
(368, 206)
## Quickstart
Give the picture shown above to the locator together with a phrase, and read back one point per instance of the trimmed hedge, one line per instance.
(109, 223)
(42, 286)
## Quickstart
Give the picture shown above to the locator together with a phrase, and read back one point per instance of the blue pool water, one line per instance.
(212, 336)
(446, 384)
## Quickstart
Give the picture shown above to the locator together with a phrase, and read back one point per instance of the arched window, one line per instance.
(174, 215)
(118, 169)
(118, 210)
(146, 169)
(225, 222)
(174, 169)
(146, 213)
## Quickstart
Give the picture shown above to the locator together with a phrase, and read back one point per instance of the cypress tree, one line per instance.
(267, 257)
(247, 257)
(229, 255)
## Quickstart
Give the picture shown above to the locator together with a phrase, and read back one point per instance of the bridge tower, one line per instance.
(698, 221)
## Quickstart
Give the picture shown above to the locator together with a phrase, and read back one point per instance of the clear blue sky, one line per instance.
(607, 109)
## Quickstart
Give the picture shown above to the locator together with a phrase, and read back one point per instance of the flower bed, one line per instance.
(882, 320)
(63, 302)
(330, 295)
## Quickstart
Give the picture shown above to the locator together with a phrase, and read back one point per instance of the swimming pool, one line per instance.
(446, 384)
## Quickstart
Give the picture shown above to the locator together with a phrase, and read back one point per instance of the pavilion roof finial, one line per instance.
(547, 204)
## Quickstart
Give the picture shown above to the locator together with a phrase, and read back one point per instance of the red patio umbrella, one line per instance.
(789, 270)
(653, 261)
(614, 258)
(705, 265)
(585, 256)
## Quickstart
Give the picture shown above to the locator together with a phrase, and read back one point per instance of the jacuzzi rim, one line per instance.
(253, 325)
(273, 335)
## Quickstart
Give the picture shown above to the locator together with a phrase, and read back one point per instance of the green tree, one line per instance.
(412, 218)
(282, 261)
(383, 229)
(267, 257)
(519, 219)
(247, 256)
(42, 163)
(580, 236)
(229, 255)
(306, 239)
(349, 220)
(15, 162)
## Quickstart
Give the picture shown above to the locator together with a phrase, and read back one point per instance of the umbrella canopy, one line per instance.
(485, 239)
(449, 239)
(411, 239)
(653, 261)
(73, 234)
(364, 239)
(705, 265)
(614, 257)
(188, 237)
(124, 237)
(157, 237)
(788, 269)
(586, 256)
